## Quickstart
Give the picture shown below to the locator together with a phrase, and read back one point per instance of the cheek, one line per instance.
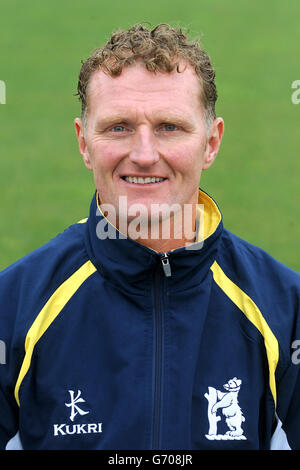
(104, 157)
(188, 161)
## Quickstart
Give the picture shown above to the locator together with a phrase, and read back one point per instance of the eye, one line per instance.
(118, 128)
(169, 127)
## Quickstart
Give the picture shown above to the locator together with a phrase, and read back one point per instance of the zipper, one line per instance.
(158, 288)
(166, 264)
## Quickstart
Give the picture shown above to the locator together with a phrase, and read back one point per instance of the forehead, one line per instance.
(136, 86)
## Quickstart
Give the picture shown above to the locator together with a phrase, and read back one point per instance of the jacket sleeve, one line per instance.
(9, 411)
(287, 432)
(25, 286)
(10, 358)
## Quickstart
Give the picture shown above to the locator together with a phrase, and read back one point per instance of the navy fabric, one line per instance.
(134, 354)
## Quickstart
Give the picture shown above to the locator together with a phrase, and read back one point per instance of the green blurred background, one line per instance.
(254, 46)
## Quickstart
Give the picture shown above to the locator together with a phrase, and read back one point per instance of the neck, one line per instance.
(175, 231)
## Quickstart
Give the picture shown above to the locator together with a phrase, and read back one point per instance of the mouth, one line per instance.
(143, 180)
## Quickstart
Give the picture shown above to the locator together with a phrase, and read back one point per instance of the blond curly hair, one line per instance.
(159, 49)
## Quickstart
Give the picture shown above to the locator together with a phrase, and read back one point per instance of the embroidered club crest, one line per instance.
(227, 403)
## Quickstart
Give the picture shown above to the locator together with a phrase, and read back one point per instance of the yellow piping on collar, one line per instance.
(207, 213)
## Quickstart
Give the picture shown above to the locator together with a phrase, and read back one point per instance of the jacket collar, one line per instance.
(131, 265)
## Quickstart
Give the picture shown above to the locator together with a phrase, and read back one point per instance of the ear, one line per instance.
(213, 142)
(82, 143)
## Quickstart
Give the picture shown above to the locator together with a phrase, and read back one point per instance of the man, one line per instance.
(120, 337)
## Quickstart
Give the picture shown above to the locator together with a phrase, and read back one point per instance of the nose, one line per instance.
(143, 151)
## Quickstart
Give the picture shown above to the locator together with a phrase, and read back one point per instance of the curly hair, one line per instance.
(160, 49)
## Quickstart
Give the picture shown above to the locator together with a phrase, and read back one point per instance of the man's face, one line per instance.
(146, 137)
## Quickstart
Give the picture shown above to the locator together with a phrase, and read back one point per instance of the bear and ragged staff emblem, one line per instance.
(228, 403)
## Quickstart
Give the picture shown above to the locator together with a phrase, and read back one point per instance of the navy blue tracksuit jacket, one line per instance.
(107, 344)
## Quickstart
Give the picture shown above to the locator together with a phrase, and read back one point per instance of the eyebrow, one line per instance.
(109, 120)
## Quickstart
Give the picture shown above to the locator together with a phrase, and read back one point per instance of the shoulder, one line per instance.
(273, 287)
(27, 284)
(249, 262)
(69, 243)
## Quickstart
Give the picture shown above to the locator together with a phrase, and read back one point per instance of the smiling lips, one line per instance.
(141, 180)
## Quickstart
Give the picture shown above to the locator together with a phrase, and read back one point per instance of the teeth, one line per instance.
(140, 180)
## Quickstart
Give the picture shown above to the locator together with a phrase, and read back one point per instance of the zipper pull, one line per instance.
(166, 265)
